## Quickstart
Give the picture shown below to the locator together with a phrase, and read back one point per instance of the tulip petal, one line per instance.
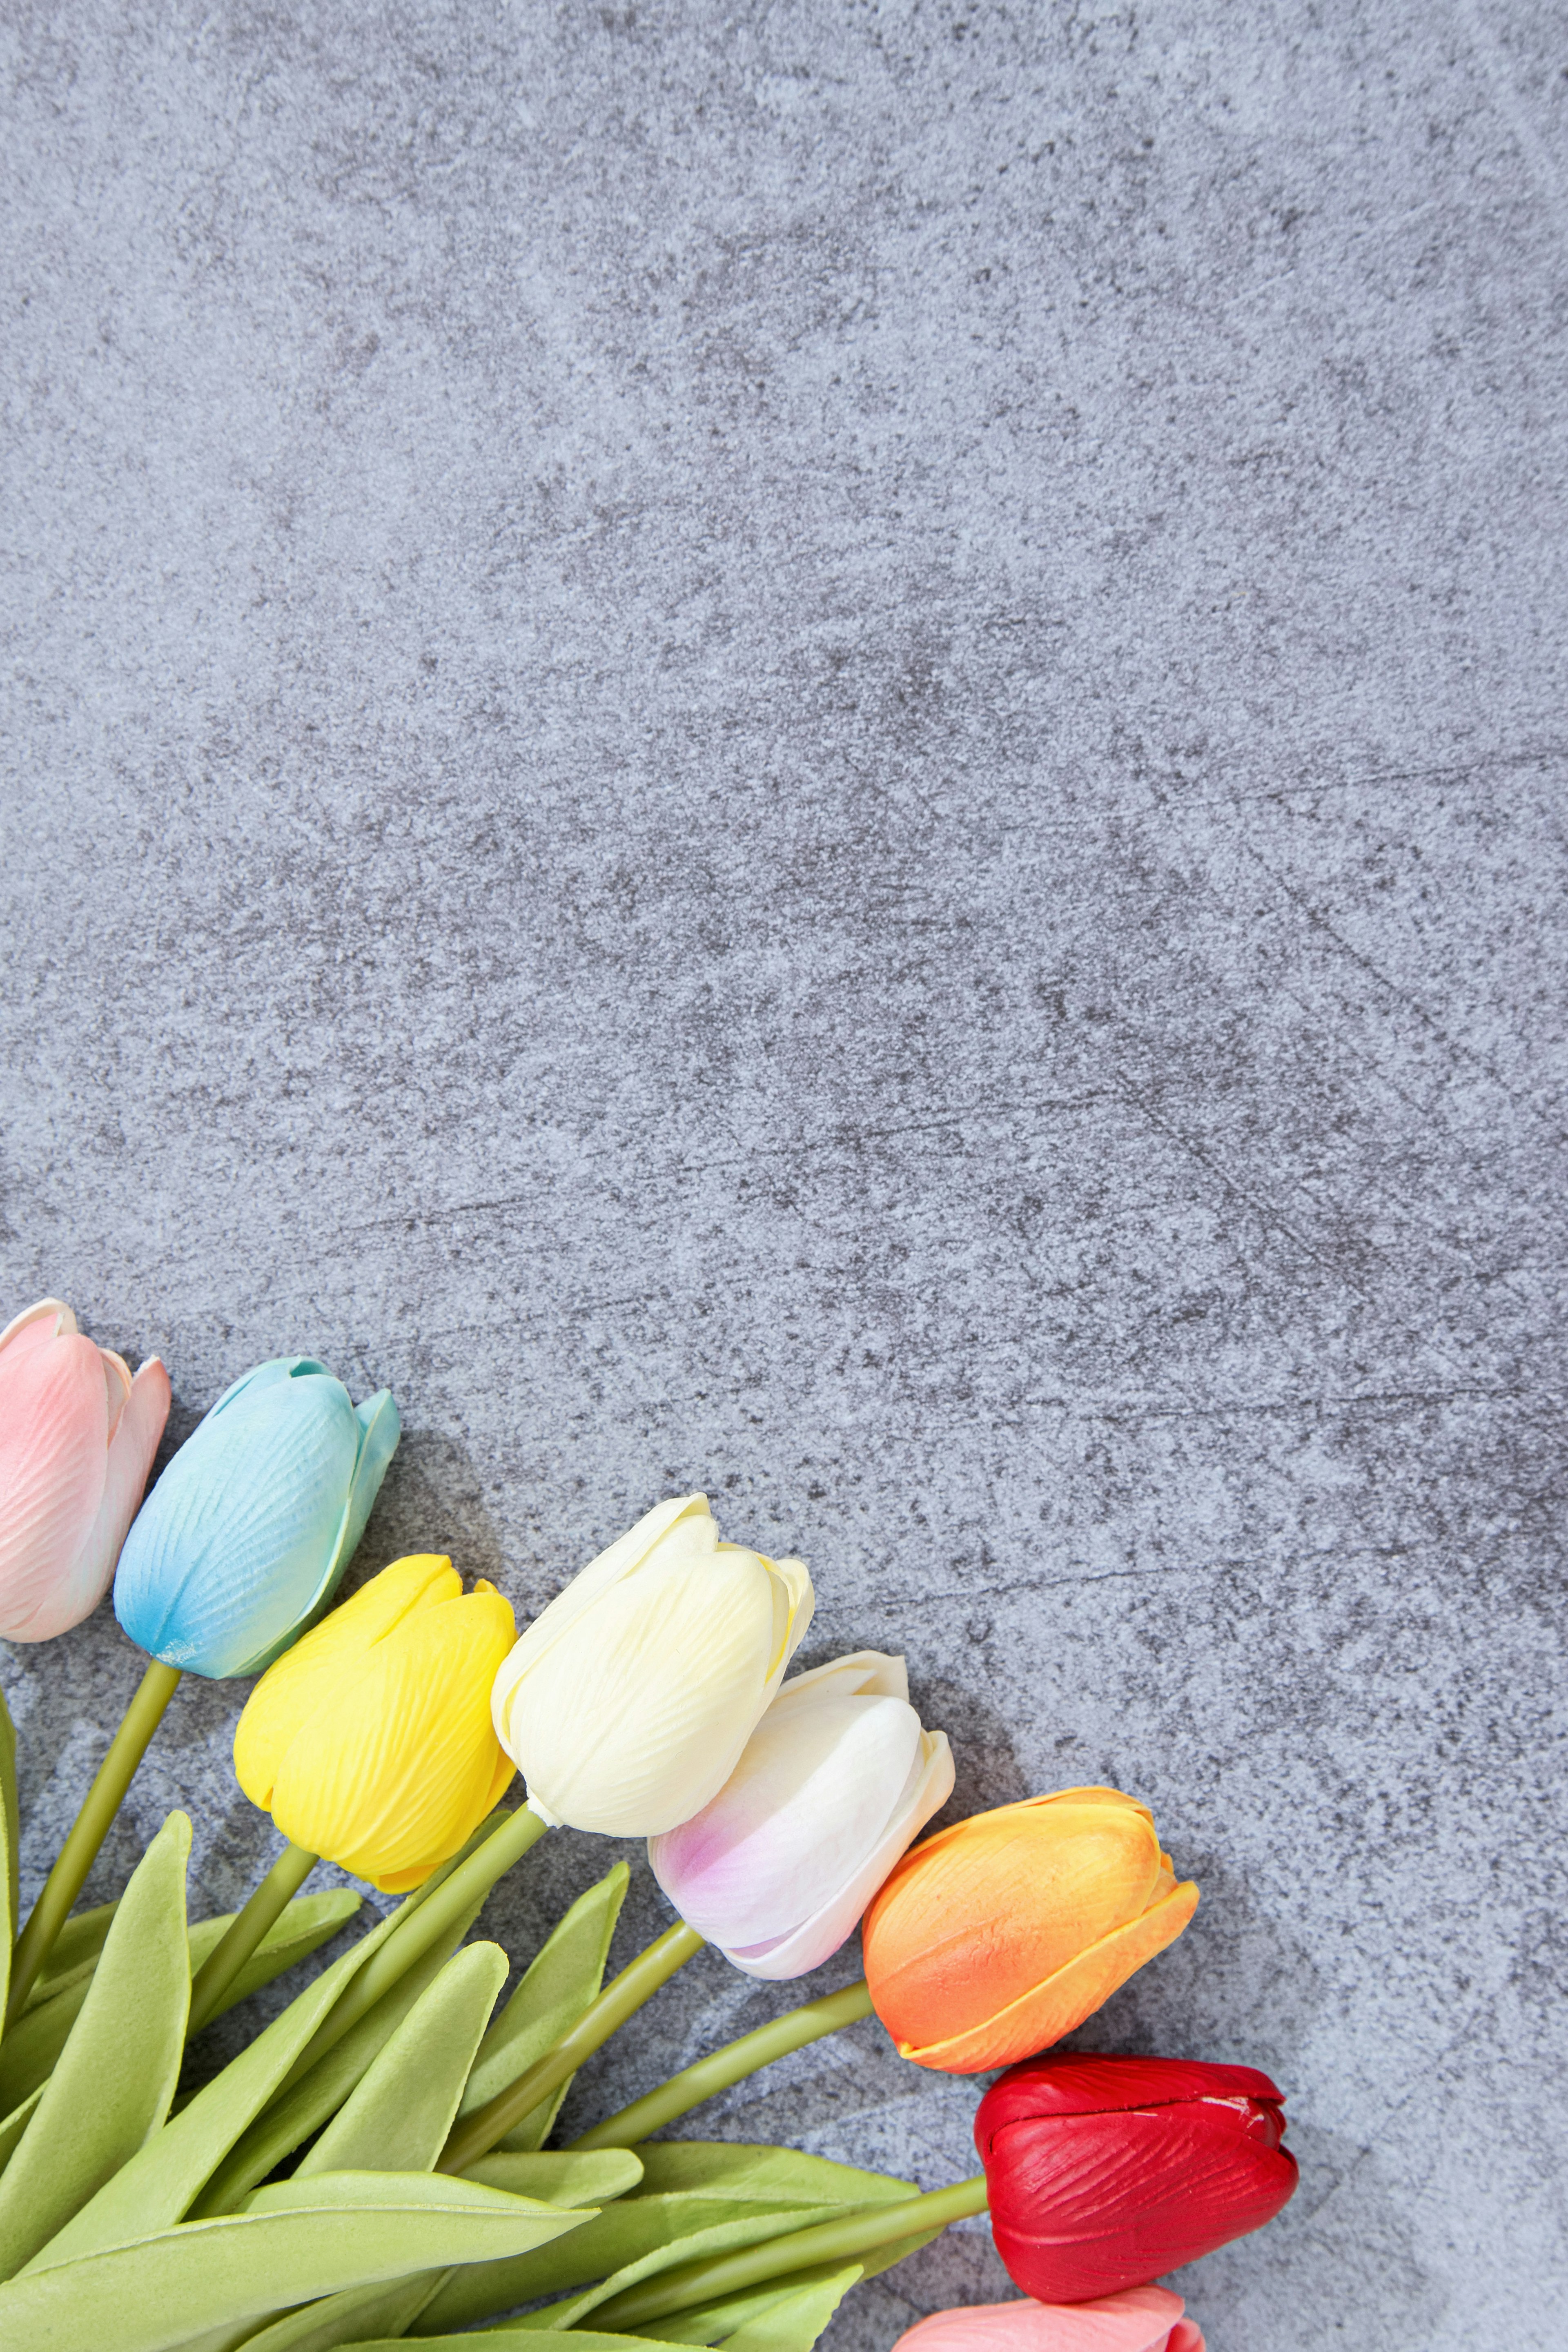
(972, 1924)
(820, 1935)
(1090, 2204)
(648, 1703)
(863, 1674)
(1141, 2319)
(380, 1428)
(226, 1553)
(54, 1457)
(1090, 2083)
(1064, 1999)
(267, 1376)
(130, 1452)
(814, 1788)
(619, 1559)
(397, 1773)
(49, 1319)
(304, 1683)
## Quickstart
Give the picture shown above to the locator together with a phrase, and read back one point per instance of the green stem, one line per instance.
(478, 2133)
(415, 1933)
(717, 2275)
(255, 1923)
(89, 1829)
(730, 2064)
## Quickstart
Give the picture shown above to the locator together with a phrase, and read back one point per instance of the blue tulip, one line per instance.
(246, 1535)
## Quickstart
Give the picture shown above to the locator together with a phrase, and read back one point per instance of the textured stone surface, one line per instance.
(819, 750)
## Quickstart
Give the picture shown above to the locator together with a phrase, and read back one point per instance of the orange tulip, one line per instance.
(998, 1936)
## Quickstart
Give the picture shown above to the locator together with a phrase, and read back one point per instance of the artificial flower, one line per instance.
(1103, 2172)
(830, 1788)
(77, 1439)
(250, 1527)
(998, 1936)
(1141, 2319)
(626, 1702)
(370, 1741)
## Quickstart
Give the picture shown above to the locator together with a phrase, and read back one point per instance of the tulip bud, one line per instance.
(246, 1534)
(77, 1439)
(628, 1700)
(1103, 2172)
(1142, 2319)
(998, 1936)
(831, 1785)
(370, 1741)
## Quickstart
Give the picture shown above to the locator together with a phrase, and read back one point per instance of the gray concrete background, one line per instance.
(819, 750)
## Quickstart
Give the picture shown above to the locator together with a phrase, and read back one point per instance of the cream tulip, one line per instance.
(833, 1784)
(628, 1701)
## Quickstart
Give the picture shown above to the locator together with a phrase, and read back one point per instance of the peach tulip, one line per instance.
(998, 1936)
(77, 1439)
(1142, 2319)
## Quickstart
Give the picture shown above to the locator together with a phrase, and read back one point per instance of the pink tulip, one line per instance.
(77, 1439)
(1139, 2319)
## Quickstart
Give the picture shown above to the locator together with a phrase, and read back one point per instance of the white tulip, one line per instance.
(627, 1701)
(834, 1781)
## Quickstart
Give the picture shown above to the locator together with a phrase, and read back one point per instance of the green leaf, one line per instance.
(75, 1952)
(160, 2291)
(787, 2315)
(32, 2047)
(584, 2336)
(629, 2242)
(116, 2076)
(152, 2191)
(397, 2118)
(345, 2318)
(560, 2177)
(10, 1836)
(563, 1979)
(13, 2125)
(277, 2130)
(723, 2322)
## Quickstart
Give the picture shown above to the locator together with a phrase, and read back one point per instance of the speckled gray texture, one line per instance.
(820, 750)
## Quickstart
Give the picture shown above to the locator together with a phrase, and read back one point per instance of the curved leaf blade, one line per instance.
(563, 1978)
(159, 2184)
(116, 2076)
(397, 2118)
(273, 2132)
(629, 2242)
(191, 2281)
(32, 2048)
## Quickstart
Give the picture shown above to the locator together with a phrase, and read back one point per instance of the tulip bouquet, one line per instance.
(372, 2167)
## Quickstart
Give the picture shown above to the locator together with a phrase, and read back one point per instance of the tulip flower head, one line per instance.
(626, 1702)
(998, 1936)
(830, 1788)
(1142, 2319)
(246, 1534)
(1104, 2172)
(77, 1439)
(370, 1741)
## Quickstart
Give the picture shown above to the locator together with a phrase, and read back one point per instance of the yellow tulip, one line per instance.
(628, 1701)
(370, 1741)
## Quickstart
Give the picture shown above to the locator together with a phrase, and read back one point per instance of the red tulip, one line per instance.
(1104, 2172)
